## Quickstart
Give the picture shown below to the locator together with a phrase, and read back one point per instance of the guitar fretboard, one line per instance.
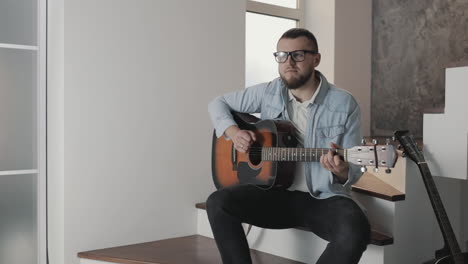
(296, 154)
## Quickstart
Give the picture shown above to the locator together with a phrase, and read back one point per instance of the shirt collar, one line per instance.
(311, 100)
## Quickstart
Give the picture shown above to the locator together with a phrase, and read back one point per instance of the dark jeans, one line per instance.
(338, 220)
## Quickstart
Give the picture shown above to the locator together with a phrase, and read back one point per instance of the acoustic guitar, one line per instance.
(270, 161)
(450, 253)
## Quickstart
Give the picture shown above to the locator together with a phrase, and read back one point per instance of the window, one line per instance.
(283, 3)
(266, 21)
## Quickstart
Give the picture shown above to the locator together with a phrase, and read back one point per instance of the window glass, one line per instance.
(262, 34)
(284, 3)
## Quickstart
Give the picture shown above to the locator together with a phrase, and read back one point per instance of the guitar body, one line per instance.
(230, 167)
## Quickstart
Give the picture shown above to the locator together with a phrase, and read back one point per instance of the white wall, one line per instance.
(55, 131)
(320, 20)
(353, 52)
(344, 33)
(464, 205)
(129, 134)
(135, 155)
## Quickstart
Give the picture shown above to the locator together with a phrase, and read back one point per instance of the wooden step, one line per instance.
(373, 186)
(193, 249)
(377, 238)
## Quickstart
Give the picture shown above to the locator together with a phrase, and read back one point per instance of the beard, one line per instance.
(295, 82)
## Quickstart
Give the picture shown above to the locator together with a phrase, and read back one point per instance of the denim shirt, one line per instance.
(333, 117)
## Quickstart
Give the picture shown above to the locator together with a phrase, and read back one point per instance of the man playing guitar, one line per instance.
(324, 116)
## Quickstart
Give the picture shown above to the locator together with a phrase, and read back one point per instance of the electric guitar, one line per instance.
(450, 253)
(270, 160)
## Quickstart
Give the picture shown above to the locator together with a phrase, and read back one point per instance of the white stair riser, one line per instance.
(379, 212)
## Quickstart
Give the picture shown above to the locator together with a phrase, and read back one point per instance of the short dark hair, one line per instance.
(300, 32)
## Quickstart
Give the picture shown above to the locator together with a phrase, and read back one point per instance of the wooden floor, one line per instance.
(194, 249)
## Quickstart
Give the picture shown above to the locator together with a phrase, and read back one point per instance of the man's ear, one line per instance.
(318, 57)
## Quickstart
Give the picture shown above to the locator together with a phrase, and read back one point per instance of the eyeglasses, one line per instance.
(296, 55)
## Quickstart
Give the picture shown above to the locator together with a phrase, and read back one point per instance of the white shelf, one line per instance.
(15, 46)
(17, 172)
(22, 137)
(18, 114)
(19, 22)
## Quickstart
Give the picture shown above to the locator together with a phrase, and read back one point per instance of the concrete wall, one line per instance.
(413, 42)
(129, 91)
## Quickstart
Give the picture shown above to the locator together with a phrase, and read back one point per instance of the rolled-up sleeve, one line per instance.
(248, 100)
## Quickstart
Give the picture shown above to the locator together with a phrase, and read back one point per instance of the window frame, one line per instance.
(278, 11)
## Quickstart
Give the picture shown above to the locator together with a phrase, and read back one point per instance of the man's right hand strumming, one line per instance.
(242, 139)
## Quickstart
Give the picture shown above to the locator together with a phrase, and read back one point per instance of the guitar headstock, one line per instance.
(373, 155)
(409, 145)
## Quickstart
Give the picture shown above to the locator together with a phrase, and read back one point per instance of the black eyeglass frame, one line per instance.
(290, 53)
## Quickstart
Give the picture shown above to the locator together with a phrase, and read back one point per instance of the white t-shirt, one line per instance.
(298, 116)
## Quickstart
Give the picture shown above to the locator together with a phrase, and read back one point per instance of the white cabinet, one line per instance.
(22, 131)
(18, 22)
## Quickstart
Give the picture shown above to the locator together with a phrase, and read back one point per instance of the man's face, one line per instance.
(293, 73)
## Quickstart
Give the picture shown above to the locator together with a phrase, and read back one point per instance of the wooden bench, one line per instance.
(194, 249)
(377, 238)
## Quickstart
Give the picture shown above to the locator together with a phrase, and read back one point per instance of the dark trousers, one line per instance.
(338, 220)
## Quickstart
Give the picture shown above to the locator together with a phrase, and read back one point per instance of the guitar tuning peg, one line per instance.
(388, 171)
(363, 169)
(363, 141)
(375, 141)
(376, 169)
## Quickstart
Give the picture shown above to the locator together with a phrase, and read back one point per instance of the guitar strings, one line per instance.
(258, 151)
(306, 150)
(315, 152)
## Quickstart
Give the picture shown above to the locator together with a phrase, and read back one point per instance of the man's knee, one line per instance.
(216, 201)
(361, 237)
(356, 238)
(355, 226)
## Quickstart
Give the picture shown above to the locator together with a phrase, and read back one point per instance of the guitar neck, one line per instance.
(441, 215)
(296, 154)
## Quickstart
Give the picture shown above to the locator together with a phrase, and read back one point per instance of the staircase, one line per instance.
(381, 195)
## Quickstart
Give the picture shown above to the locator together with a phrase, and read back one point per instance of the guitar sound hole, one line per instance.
(255, 154)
